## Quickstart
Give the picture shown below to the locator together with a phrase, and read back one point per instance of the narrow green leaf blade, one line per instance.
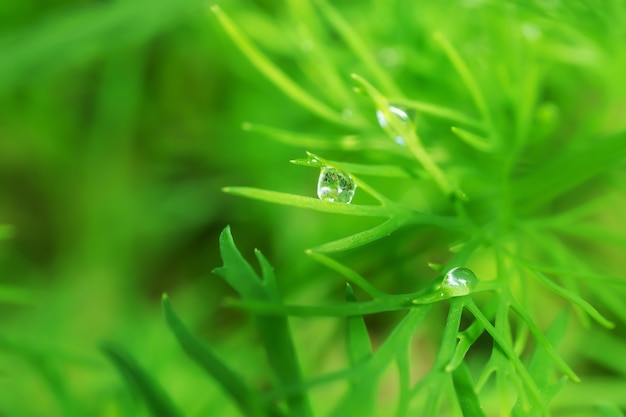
(273, 73)
(362, 238)
(236, 270)
(273, 330)
(472, 139)
(359, 345)
(466, 393)
(541, 364)
(358, 46)
(248, 401)
(158, 402)
(308, 202)
(347, 273)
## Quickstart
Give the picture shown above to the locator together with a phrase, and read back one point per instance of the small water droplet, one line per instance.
(459, 281)
(401, 120)
(335, 186)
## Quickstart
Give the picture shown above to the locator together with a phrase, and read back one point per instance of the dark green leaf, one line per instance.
(248, 401)
(158, 402)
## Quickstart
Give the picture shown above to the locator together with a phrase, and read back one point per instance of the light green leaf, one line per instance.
(359, 346)
(274, 74)
(466, 392)
(472, 139)
(439, 111)
(359, 47)
(466, 76)
(347, 273)
(540, 365)
(273, 329)
(308, 202)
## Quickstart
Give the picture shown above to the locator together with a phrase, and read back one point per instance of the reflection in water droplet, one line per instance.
(459, 281)
(335, 186)
(401, 119)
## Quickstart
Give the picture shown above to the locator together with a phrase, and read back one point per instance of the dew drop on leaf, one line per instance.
(335, 186)
(459, 281)
(401, 120)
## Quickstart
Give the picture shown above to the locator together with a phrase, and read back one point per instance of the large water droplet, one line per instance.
(400, 120)
(335, 186)
(458, 281)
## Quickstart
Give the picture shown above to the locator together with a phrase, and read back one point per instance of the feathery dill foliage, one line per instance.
(495, 130)
(475, 272)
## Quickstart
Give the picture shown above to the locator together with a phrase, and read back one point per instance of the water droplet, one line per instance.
(459, 281)
(335, 186)
(400, 120)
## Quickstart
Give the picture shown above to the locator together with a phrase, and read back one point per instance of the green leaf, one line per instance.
(472, 139)
(308, 202)
(466, 392)
(158, 402)
(249, 402)
(507, 349)
(440, 111)
(407, 131)
(263, 64)
(540, 364)
(466, 76)
(359, 47)
(361, 238)
(368, 374)
(347, 273)
(359, 346)
(311, 141)
(274, 330)
(543, 340)
(586, 306)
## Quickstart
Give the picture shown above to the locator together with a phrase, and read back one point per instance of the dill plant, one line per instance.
(487, 117)
(484, 137)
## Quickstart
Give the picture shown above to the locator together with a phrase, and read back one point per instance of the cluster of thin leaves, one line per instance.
(507, 214)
